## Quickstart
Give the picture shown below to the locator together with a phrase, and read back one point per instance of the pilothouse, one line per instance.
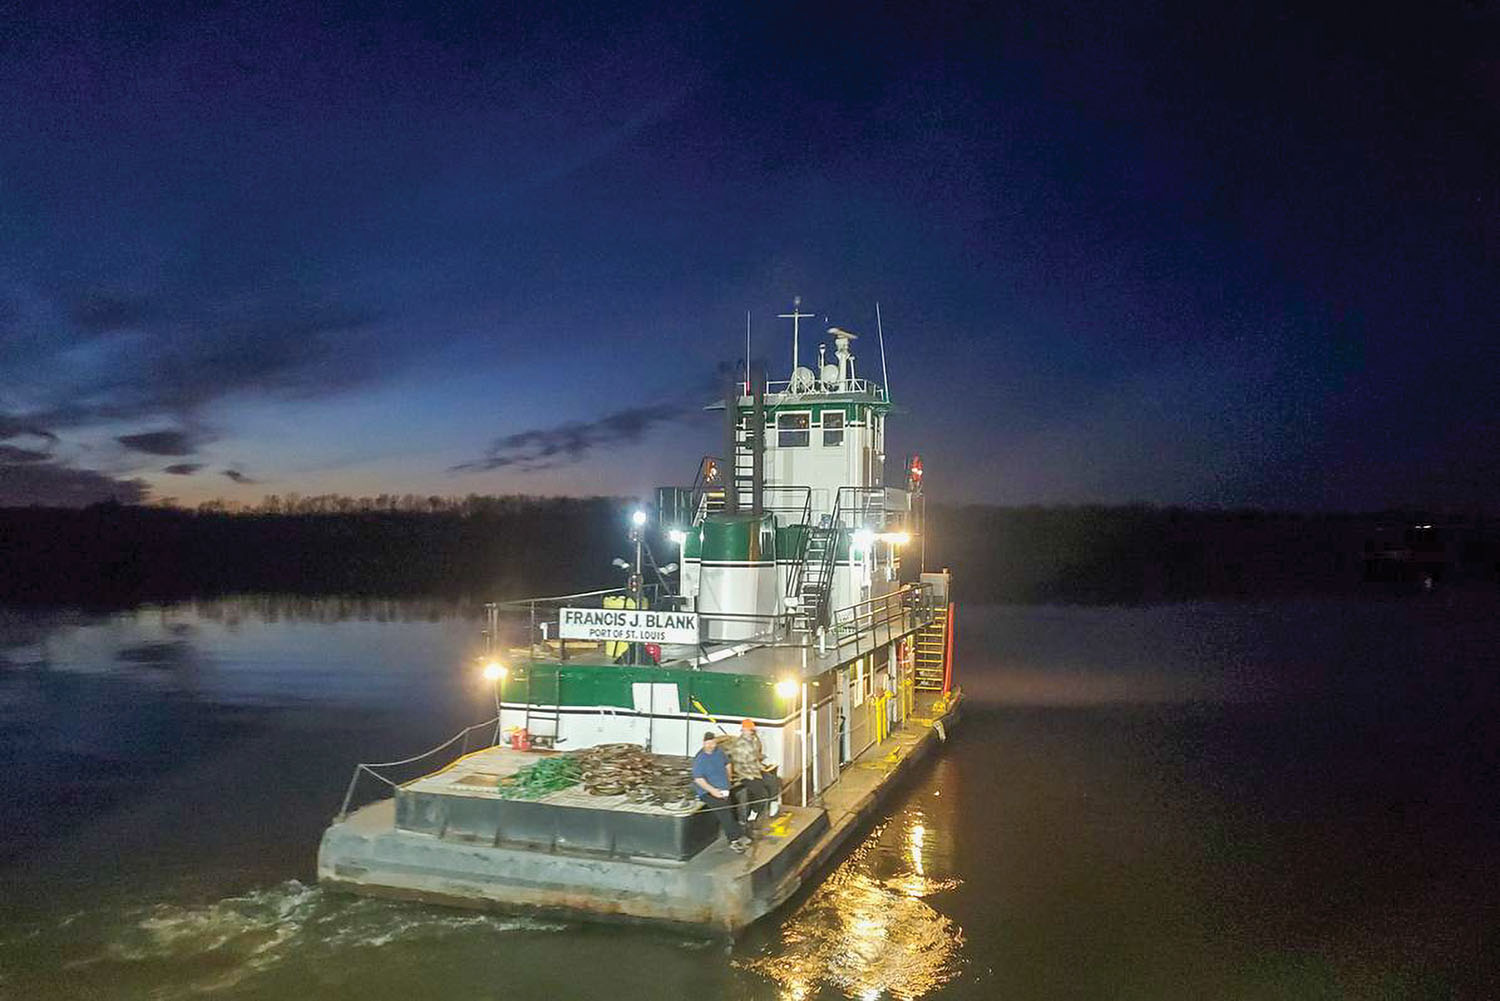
(801, 522)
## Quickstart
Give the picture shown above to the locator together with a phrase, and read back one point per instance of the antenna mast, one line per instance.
(747, 351)
(880, 332)
(796, 316)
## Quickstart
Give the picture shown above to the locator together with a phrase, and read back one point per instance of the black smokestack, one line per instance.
(731, 446)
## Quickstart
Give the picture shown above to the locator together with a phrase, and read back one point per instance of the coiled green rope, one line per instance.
(542, 776)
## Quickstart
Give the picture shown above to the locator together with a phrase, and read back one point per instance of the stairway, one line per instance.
(815, 576)
(932, 652)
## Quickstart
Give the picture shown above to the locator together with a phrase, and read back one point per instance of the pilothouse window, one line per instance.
(792, 430)
(833, 427)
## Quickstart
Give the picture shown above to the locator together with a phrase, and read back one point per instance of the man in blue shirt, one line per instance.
(711, 776)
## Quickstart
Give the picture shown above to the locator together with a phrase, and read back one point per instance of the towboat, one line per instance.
(785, 586)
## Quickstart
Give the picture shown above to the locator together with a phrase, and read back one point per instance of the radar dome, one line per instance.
(802, 379)
(830, 373)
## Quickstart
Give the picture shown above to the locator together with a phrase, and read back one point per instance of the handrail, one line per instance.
(819, 388)
(860, 503)
(793, 579)
(851, 622)
(541, 600)
(368, 767)
(830, 562)
(792, 488)
(779, 631)
(916, 587)
(652, 592)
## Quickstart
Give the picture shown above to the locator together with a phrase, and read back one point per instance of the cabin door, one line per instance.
(825, 723)
(841, 724)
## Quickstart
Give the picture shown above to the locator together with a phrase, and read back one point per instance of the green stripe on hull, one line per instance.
(725, 695)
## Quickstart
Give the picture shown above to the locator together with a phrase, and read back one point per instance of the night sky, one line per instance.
(1193, 254)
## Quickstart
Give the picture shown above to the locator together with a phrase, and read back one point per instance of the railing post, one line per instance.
(349, 794)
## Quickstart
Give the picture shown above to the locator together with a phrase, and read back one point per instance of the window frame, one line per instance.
(843, 425)
(805, 430)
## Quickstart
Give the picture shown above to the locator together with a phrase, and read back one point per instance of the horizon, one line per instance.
(421, 504)
(1218, 258)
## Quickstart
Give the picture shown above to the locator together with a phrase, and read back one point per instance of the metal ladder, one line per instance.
(549, 716)
(744, 471)
(932, 652)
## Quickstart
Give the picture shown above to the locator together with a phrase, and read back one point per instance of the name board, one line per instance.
(628, 625)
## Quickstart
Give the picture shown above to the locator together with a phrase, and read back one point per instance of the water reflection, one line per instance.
(270, 608)
(867, 931)
(268, 649)
(101, 712)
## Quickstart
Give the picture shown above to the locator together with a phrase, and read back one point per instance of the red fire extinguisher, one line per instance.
(520, 739)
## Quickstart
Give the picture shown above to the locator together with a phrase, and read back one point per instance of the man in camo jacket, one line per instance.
(755, 784)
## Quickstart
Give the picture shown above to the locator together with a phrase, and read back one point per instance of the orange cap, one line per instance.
(748, 724)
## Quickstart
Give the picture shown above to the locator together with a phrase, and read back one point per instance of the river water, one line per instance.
(1288, 800)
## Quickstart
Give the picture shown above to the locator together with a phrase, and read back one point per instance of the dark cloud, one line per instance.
(190, 348)
(53, 485)
(100, 312)
(183, 468)
(277, 348)
(164, 359)
(238, 477)
(12, 428)
(563, 444)
(161, 442)
(12, 454)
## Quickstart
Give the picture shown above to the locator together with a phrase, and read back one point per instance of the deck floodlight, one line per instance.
(638, 518)
(494, 671)
(787, 688)
(863, 538)
(621, 563)
(895, 538)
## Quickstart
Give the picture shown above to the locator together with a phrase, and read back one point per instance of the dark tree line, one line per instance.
(1136, 553)
(110, 554)
(505, 547)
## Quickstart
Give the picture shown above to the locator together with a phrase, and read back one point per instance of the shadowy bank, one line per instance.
(489, 548)
(110, 554)
(1094, 554)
